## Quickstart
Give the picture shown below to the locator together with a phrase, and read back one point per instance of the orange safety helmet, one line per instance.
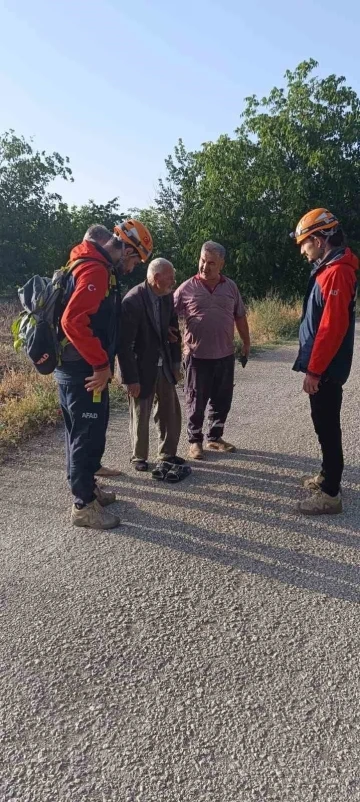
(137, 235)
(318, 220)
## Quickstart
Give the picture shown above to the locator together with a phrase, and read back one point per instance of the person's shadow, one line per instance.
(238, 493)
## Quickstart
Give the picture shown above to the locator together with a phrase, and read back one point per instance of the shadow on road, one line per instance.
(250, 492)
(229, 491)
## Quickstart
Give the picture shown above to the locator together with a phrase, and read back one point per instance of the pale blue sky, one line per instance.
(113, 85)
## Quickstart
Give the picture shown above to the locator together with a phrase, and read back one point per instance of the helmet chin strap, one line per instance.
(121, 258)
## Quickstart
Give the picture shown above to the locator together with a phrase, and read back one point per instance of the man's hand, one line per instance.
(173, 334)
(311, 384)
(99, 380)
(133, 390)
(242, 328)
(177, 374)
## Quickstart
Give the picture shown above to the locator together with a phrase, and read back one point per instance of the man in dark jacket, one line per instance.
(326, 347)
(90, 325)
(149, 364)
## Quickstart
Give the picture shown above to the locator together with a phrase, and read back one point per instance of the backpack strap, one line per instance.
(71, 266)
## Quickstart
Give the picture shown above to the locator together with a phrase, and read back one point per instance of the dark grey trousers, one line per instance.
(208, 381)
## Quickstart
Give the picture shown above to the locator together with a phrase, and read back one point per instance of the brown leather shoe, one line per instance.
(196, 451)
(220, 445)
(103, 471)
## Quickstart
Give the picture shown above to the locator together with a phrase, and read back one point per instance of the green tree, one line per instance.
(178, 206)
(296, 149)
(69, 224)
(37, 229)
(26, 205)
(307, 155)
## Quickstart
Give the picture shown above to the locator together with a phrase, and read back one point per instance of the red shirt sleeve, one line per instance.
(90, 290)
(338, 292)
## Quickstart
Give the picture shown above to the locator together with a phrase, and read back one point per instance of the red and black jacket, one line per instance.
(90, 321)
(328, 321)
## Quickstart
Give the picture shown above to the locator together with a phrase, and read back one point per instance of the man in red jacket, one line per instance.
(90, 324)
(326, 347)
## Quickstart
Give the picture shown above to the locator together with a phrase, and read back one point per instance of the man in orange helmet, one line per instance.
(90, 324)
(137, 246)
(326, 347)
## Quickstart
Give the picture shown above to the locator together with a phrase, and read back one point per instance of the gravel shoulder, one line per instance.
(208, 649)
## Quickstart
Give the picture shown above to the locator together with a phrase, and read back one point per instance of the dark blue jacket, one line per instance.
(328, 321)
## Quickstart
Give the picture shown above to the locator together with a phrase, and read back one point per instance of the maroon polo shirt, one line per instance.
(209, 316)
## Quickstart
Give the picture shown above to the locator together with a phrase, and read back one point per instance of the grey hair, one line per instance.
(98, 233)
(214, 246)
(158, 266)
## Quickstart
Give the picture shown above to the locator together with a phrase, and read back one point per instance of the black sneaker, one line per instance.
(140, 465)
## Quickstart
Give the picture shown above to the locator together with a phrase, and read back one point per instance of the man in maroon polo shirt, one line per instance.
(210, 305)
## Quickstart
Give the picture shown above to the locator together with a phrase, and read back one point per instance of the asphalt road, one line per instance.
(206, 650)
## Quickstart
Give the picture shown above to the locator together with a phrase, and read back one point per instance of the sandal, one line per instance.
(177, 473)
(160, 470)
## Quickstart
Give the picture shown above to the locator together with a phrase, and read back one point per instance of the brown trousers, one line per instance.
(167, 418)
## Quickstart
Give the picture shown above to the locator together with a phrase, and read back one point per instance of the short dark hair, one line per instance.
(98, 233)
(338, 238)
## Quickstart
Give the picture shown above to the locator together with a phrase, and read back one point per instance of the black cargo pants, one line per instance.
(325, 412)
